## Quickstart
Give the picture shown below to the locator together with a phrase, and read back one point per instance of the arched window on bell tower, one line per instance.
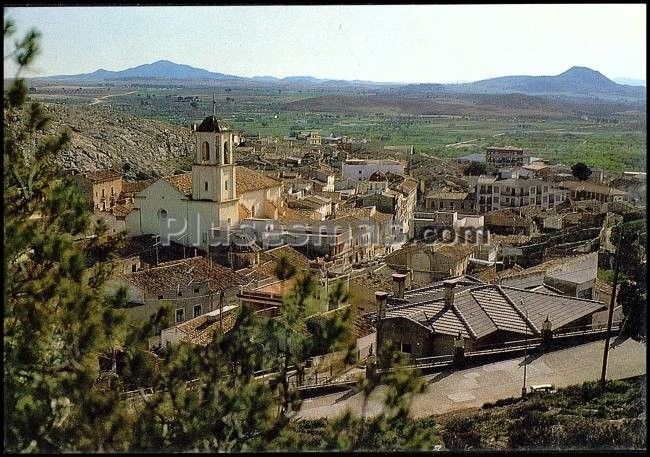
(205, 151)
(226, 155)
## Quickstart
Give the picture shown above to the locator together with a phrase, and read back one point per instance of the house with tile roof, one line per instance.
(102, 188)
(196, 208)
(424, 322)
(191, 287)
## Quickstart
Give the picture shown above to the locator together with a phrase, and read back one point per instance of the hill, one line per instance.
(162, 69)
(577, 81)
(103, 138)
(405, 103)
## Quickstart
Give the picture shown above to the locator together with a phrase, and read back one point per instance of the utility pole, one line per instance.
(612, 301)
(221, 311)
(523, 389)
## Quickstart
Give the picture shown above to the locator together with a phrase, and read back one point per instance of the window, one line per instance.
(103, 194)
(196, 310)
(196, 290)
(160, 297)
(180, 315)
(134, 268)
(112, 191)
(226, 156)
(205, 151)
(206, 185)
(359, 171)
(406, 347)
(163, 214)
(226, 184)
(180, 294)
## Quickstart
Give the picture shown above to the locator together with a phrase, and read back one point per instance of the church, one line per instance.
(198, 208)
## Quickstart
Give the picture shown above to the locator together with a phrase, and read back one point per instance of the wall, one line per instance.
(362, 171)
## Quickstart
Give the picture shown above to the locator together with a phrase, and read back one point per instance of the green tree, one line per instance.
(581, 171)
(475, 169)
(56, 320)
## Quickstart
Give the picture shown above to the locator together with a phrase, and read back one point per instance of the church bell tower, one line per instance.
(213, 169)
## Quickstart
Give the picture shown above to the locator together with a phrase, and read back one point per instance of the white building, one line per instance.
(361, 169)
(192, 208)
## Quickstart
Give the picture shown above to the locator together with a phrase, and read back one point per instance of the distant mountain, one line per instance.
(577, 81)
(162, 69)
(630, 81)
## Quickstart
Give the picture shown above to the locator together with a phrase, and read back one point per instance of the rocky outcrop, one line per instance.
(103, 138)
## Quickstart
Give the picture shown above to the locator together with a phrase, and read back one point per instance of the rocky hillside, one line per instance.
(103, 138)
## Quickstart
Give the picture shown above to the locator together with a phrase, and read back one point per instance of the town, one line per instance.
(448, 256)
(480, 251)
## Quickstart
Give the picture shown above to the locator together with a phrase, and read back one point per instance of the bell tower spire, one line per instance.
(214, 106)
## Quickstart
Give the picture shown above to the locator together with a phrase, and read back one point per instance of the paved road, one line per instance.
(449, 390)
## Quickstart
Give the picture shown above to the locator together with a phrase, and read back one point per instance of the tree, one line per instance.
(475, 169)
(581, 171)
(56, 319)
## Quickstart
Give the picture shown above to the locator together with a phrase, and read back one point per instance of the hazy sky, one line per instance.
(380, 43)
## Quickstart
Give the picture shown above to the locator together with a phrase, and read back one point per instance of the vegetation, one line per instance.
(58, 322)
(475, 169)
(612, 138)
(575, 417)
(581, 171)
(56, 319)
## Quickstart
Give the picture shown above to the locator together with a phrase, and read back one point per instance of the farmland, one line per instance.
(607, 135)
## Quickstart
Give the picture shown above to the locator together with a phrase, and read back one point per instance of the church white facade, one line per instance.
(198, 208)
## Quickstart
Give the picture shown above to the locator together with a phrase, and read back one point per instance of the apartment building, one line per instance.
(492, 194)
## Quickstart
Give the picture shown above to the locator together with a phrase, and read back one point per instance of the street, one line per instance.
(452, 390)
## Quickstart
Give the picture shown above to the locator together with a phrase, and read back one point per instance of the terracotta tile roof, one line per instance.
(448, 195)
(287, 214)
(120, 211)
(244, 213)
(102, 175)
(506, 219)
(586, 186)
(456, 251)
(576, 269)
(360, 326)
(132, 187)
(295, 258)
(407, 186)
(170, 275)
(202, 329)
(247, 181)
(182, 182)
(250, 180)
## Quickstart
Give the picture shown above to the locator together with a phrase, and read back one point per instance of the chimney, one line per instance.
(449, 293)
(399, 281)
(381, 298)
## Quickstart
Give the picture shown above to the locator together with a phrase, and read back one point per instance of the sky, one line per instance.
(391, 43)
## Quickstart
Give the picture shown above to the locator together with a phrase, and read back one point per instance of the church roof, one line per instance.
(247, 181)
(211, 124)
(183, 183)
(250, 180)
